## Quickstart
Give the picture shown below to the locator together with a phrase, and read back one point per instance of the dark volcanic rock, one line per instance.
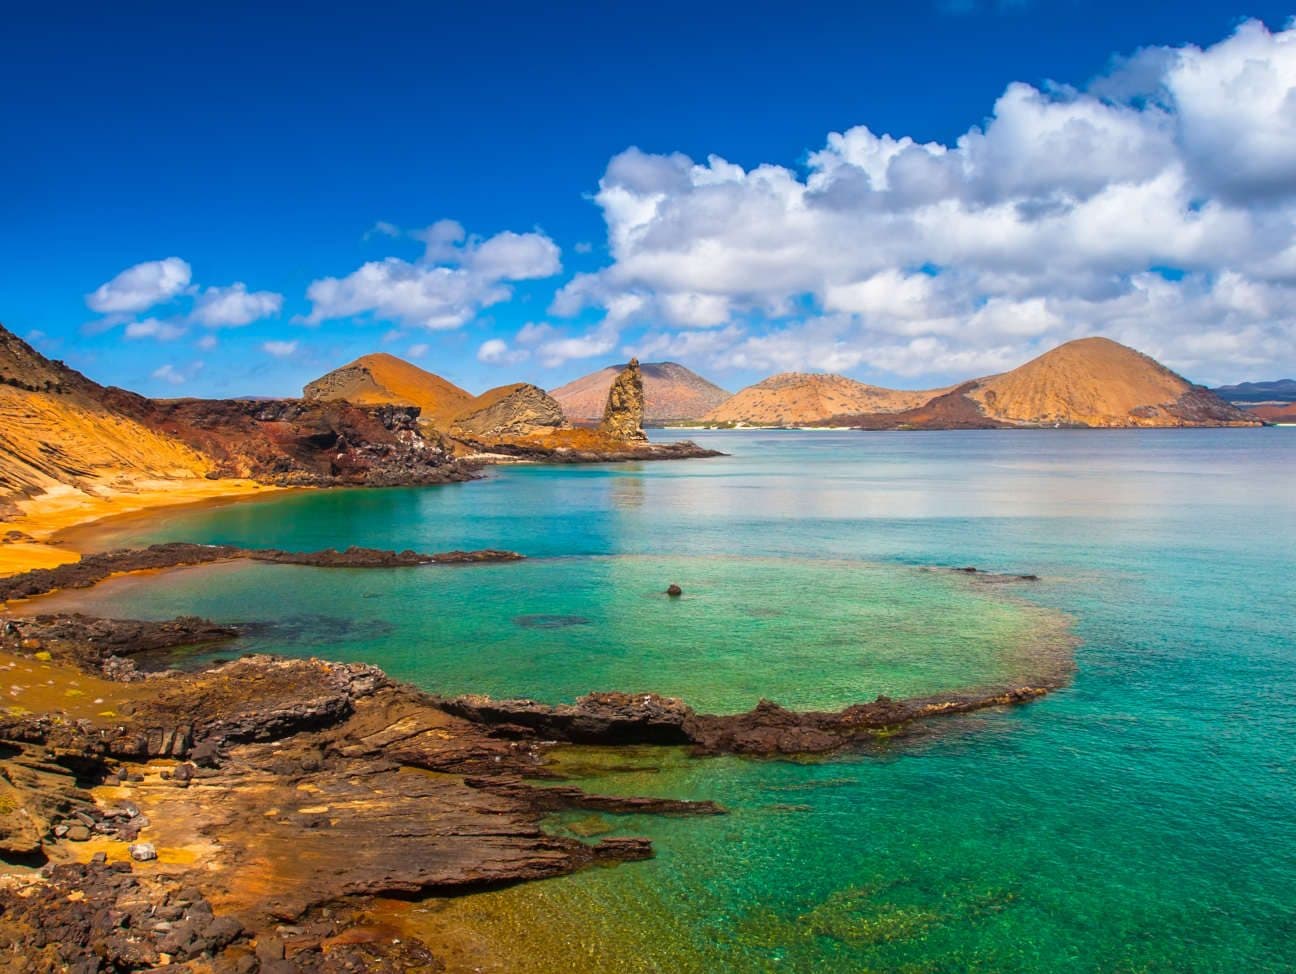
(295, 442)
(92, 569)
(621, 718)
(537, 451)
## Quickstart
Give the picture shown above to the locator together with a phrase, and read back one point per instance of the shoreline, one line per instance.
(59, 525)
(246, 779)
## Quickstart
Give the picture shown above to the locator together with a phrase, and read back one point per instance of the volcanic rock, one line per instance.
(520, 409)
(623, 416)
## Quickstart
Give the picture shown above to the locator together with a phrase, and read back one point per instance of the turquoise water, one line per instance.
(1142, 819)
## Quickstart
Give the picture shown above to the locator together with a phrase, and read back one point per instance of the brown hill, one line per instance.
(520, 409)
(1100, 383)
(1091, 382)
(382, 379)
(803, 399)
(56, 429)
(671, 393)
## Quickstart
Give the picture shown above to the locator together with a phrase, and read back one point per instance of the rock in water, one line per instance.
(623, 415)
(674, 591)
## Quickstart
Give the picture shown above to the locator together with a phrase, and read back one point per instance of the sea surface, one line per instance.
(1142, 819)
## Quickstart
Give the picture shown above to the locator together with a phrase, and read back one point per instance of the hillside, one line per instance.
(803, 399)
(1090, 382)
(382, 379)
(1097, 382)
(671, 393)
(57, 430)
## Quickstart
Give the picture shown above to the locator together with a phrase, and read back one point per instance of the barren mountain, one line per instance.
(382, 379)
(1091, 382)
(1099, 382)
(802, 399)
(56, 429)
(671, 393)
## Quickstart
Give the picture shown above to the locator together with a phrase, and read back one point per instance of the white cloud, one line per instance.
(599, 341)
(207, 342)
(234, 306)
(496, 351)
(418, 350)
(279, 349)
(1157, 206)
(456, 279)
(154, 328)
(141, 287)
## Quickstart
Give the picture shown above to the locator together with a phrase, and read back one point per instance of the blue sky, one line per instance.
(904, 192)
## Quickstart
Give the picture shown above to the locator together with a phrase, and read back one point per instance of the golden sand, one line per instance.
(62, 522)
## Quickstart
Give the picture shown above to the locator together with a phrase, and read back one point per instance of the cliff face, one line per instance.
(382, 379)
(520, 409)
(624, 413)
(672, 393)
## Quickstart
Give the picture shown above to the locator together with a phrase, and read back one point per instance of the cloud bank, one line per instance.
(1157, 205)
(456, 278)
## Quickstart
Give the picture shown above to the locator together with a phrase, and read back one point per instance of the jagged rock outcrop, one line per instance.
(520, 409)
(623, 416)
(672, 393)
(304, 783)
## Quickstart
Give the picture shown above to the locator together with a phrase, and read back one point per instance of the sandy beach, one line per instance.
(56, 527)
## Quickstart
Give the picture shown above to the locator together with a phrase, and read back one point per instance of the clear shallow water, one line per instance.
(1144, 819)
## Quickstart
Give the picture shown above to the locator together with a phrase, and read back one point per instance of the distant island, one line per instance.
(1087, 383)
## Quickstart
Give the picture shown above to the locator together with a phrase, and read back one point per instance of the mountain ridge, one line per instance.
(1089, 382)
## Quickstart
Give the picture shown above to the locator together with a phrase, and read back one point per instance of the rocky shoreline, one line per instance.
(241, 815)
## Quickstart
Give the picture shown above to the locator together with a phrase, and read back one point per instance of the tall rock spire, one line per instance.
(623, 415)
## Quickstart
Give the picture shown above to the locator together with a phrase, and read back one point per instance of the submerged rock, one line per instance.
(674, 591)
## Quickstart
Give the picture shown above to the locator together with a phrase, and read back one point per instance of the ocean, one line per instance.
(1141, 819)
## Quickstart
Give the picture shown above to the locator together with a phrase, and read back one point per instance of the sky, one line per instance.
(233, 199)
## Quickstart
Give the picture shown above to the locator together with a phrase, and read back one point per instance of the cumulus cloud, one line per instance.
(279, 349)
(496, 351)
(1156, 205)
(456, 278)
(140, 287)
(234, 306)
(156, 282)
